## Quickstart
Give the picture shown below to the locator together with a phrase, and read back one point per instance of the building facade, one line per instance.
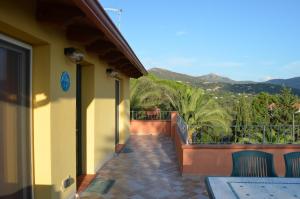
(64, 94)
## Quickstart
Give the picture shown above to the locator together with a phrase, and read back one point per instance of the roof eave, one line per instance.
(95, 12)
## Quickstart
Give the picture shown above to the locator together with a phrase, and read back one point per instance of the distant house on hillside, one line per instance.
(297, 106)
(271, 106)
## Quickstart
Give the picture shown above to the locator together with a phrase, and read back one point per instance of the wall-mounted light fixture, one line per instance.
(111, 72)
(74, 54)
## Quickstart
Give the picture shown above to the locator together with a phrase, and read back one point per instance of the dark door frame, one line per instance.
(117, 111)
(79, 170)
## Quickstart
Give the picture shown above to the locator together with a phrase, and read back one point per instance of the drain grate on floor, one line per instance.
(127, 150)
(100, 186)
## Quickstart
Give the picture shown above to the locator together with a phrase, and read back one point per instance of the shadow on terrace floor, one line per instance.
(147, 168)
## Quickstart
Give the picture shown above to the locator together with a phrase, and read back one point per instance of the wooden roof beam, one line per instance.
(101, 47)
(112, 56)
(96, 13)
(136, 74)
(128, 69)
(57, 14)
(117, 60)
(83, 34)
(123, 67)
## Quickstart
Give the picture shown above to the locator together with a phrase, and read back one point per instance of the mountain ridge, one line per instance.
(216, 83)
(290, 82)
(211, 77)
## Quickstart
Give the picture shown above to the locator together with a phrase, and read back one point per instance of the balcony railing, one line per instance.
(150, 115)
(252, 134)
(182, 129)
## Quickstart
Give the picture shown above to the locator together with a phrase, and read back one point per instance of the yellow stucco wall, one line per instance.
(125, 110)
(104, 97)
(54, 111)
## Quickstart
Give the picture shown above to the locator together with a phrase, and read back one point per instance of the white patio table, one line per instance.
(253, 188)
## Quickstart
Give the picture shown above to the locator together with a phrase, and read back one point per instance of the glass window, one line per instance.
(15, 143)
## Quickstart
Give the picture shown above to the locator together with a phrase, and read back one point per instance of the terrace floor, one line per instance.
(146, 168)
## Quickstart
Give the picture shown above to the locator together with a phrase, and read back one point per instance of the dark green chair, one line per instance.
(292, 164)
(252, 164)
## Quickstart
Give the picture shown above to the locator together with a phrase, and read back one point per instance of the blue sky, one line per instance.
(241, 39)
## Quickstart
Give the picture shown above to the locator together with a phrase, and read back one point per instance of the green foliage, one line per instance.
(260, 107)
(273, 134)
(197, 108)
(243, 112)
(285, 107)
(214, 115)
(148, 92)
(200, 110)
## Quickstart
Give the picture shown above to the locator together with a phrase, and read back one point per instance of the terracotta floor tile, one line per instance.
(148, 169)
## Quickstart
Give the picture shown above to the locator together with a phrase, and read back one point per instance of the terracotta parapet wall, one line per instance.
(207, 159)
(242, 146)
(216, 160)
(173, 123)
(179, 149)
(151, 127)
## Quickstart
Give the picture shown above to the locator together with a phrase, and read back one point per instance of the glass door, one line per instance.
(15, 120)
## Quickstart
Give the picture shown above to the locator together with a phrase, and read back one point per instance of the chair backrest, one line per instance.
(292, 164)
(252, 164)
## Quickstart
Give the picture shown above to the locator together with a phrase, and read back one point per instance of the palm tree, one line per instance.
(203, 114)
(148, 92)
(199, 110)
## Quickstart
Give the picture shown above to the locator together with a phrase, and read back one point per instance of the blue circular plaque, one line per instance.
(65, 81)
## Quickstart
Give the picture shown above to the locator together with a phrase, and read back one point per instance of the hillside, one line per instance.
(209, 78)
(292, 82)
(166, 74)
(219, 84)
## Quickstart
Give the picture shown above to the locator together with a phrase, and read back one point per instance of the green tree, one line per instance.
(147, 92)
(243, 112)
(260, 109)
(198, 109)
(284, 110)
